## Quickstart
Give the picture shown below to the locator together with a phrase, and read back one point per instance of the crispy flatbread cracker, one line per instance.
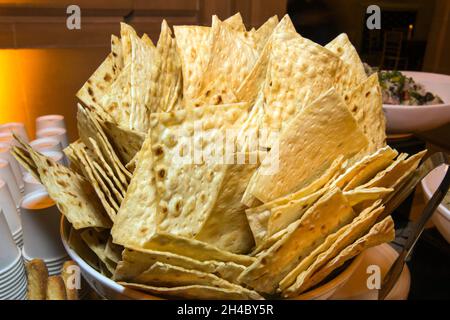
(395, 173)
(368, 170)
(96, 87)
(366, 104)
(125, 37)
(380, 233)
(113, 251)
(126, 142)
(194, 249)
(110, 184)
(332, 245)
(145, 68)
(117, 99)
(235, 22)
(24, 158)
(96, 241)
(71, 155)
(89, 128)
(188, 185)
(282, 216)
(249, 138)
(96, 181)
(136, 261)
(314, 185)
(273, 216)
(106, 171)
(297, 142)
(170, 84)
(268, 242)
(299, 71)
(262, 34)
(252, 84)
(365, 168)
(80, 247)
(352, 72)
(116, 51)
(227, 227)
(193, 44)
(197, 292)
(231, 60)
(326, 216)
(73, 195)
(342, 46)
(166, 275)
(359, 195)
(138, 217)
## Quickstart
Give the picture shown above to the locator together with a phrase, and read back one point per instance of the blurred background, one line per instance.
(43, 64)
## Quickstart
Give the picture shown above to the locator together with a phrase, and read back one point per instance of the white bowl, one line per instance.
(408, 119)
(110, 289)
(441, 218)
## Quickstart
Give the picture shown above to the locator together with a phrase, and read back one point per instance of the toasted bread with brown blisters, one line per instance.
(37, 274)
(67, 275)
(56, 290)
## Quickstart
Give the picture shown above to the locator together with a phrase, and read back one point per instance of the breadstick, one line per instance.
(37, 274)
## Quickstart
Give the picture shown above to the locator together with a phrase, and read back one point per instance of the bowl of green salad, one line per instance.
(414, 101)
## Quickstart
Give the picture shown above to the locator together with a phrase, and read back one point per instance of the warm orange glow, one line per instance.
(411, 27)
(12, 99)
(35, 82)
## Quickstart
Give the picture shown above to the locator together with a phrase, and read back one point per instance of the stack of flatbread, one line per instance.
(226, 163)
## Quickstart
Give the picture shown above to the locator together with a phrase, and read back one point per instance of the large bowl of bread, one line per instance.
(225, 163)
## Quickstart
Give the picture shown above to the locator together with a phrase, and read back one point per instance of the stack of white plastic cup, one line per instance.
(59, 134)
(40, 221)
(15, 127)
(53, 126)
(5, 154)
(55, 156)
(13, 280)
(8, 138)
(11, 213)
(50, 121)
(46, 144)
(7, 175)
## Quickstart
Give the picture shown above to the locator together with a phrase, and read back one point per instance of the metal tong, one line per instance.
(436, 160)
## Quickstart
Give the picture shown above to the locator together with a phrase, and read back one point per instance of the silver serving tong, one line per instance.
(437, 159)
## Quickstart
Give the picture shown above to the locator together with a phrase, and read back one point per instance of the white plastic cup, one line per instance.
(46, 144)
(15, 127)
(8, 249)
(5, 154)
(9, 272)
(7, 175)
(14, 285)
(8, 138)
(9, 208)
(59, 134)
(40, 224)
(50, 121)
(55, 156)
(31, 184)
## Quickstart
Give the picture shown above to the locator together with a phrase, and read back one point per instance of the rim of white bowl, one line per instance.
(442, 209)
